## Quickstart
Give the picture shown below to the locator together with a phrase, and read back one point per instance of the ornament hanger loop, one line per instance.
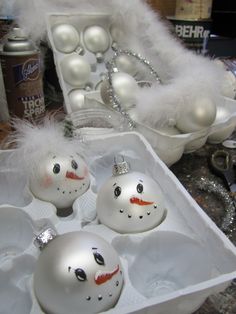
(120, 167)
(44, 238)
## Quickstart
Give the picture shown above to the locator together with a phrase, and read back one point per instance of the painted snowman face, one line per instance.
(131, 202)
(60, 179)
(78, 272)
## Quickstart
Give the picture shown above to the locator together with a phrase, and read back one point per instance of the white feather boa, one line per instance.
(187, 77)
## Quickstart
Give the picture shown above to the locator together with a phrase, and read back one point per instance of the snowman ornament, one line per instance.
(60, 179)
(76, 272)
(130, 201)
(53, 164)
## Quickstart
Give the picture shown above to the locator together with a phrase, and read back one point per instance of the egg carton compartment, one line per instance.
(172, 268)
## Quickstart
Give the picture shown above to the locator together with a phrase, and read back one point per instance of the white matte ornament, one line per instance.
(78, 272)
(197, 115)
(65, 37)
(75, 70)
(125, 87)
(96, 40)
(130, 202)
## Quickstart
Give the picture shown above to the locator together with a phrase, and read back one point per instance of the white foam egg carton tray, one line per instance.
(169, 147)
(82, 45)
(172, 268)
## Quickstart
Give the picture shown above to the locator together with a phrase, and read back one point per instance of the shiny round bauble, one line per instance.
(60, 179)
(126, 64)
(131, 202)
(75, 70)
(125, 88)
(96, 39)
(196, 116)
(78, 272)
(65, 37)
(77, 100)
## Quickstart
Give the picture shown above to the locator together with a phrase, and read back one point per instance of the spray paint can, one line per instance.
(6, 25)
(22, 74)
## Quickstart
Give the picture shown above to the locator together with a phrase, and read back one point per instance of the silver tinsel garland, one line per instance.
(222, 194)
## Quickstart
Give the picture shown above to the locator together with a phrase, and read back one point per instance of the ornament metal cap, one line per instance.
(44, 238)
(121, 167)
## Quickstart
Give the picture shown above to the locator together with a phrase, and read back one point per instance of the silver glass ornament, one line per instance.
(65, 37)
(96, 39)
(196, 116)
(78, 272)
(125, 87)
(75, 70)
(130, 202)
(60, 179)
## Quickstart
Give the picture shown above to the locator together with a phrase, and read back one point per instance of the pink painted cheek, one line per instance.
(86, 172)
(46, 181)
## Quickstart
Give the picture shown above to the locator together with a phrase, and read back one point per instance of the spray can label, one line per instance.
(24, 86)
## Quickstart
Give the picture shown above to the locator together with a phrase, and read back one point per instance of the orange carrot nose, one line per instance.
(104, 277)
(138, 201)
(73, 176)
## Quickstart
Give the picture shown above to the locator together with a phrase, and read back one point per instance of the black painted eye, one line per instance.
(74, 164)
(117, 191)
(80, 274)
(56, 168)
(98, 258)
(139, 188)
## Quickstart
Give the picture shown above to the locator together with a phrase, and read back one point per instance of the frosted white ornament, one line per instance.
(75, 70)
(60, 179)
(126, 64)
(77, 272)
(96, 40)
(196, 116)
(130, 202)
(65, 37)
(125, 88)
